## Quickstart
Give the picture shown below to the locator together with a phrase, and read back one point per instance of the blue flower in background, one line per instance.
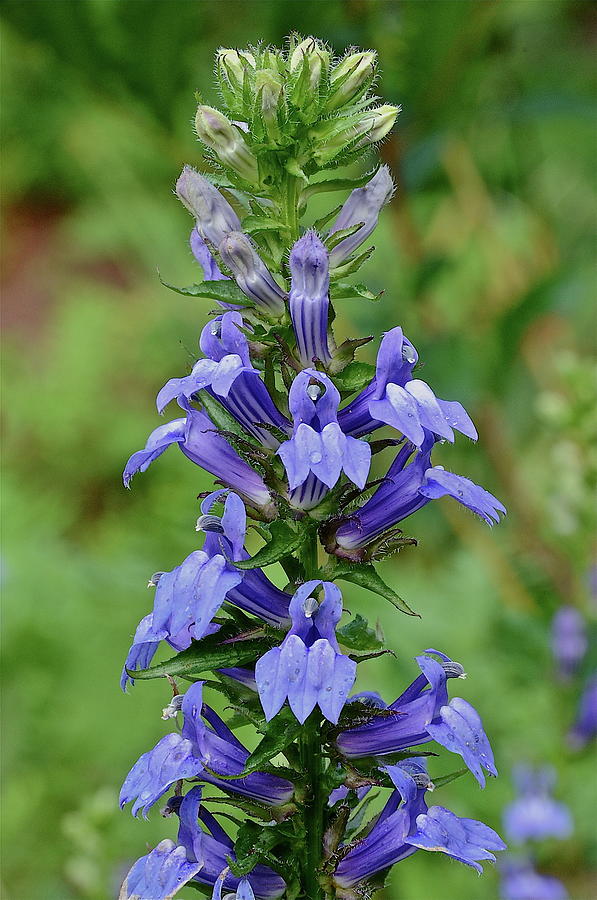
(568, 640)
(520, 881)
(535, 815)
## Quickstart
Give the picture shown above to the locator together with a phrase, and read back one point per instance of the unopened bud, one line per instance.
(269, 86)
(217, 132)
(251, 274)
(377, 123)
(214, 215)
(310, 55)
(308, 300)
(233, 65)
(351, 77)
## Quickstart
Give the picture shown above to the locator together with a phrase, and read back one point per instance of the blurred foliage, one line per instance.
(485, 257)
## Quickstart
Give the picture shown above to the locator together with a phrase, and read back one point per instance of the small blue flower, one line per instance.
(408, 487)
(467, 840)
(229, 376)
(408, 404)
(318, 445)
(160, 874)
(202, 750)
(309, 298)
(251, 274)
(197, 438)
(308, 667)
(362, 206)
(535, 815)
(520, 881)
(409, 716)
(568, 640)
(585, 726)
(187, 598)
(214, 848)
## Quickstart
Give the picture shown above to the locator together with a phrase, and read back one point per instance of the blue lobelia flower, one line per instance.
(160, 874)
(308, 667)
(568, 640)
(408, 404)
(405, 825)
(214, 848)
(407, 487)
(362, 206)
(535, 815)
(460, 730)
(520, 881)
(466, 840)
(585, 726)
(251, 274)
(197, 438)
(318, 448)
(214, 216)
(229, 376)
(188, 597)
(309, 298)
(201, 750)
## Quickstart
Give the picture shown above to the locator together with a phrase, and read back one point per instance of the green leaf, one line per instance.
(279, 733)
(337, 237)
(355, 377)
(225, 291)
(353, 265)
(209, 653)
(344, 290)
(252, 224)
(366, 576)
(357, 635)
(335, 184)
(446, 779)
(284, 541)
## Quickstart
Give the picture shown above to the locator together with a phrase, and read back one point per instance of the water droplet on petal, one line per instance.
(315, 457)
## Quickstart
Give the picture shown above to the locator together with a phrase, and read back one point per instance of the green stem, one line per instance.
(313, 762)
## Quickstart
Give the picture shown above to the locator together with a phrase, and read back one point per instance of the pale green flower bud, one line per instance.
(350, 77)
(316, 57)
(269, 87)
(233, 64)
(217, 132)
(377, 123)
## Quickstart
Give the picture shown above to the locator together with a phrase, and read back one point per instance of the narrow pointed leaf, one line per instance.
(284, 541)
(366, 576)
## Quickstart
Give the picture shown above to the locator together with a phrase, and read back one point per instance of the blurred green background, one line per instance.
(486, 260)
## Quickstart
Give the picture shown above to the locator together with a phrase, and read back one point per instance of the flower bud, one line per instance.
(214, 215)
(316, 58)
(309, 301)
(233, 65)
(269, 86)
(217, 132)
(251, 274)
(350, 78)
(377, 123)
(363, 205)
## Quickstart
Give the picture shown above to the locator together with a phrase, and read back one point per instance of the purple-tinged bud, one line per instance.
(227, 142)
(213, 214)
(351, 77)
(377, 123)
(251, 274)
(309, 299)
(363, 205)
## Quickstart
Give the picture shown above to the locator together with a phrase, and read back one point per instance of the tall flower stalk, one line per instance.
(287, 421)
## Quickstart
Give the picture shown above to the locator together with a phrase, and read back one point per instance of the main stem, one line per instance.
(312, 761)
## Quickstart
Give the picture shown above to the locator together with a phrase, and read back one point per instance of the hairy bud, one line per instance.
(350, 78)
(226, 140)
(309, 58)
(377, 123)
(232, 65)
